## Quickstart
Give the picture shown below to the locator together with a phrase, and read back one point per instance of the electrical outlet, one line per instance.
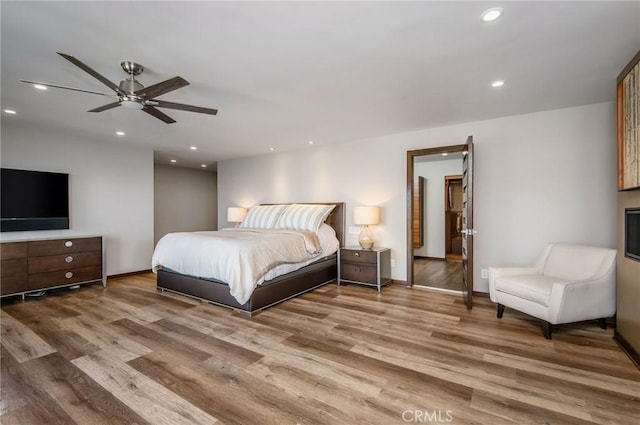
(484, 273)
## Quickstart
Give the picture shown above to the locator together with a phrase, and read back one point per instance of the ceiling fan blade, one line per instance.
(105, 107)
(160, 115)
(161, 88)
(92, 72)
(69, 88)
(182, 107)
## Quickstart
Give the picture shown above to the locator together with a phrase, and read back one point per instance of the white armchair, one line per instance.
(569, 283)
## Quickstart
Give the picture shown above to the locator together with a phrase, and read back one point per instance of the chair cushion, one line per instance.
(535, 288)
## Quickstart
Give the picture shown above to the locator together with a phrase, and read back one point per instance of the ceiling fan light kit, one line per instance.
(130, 94)
(131, 104)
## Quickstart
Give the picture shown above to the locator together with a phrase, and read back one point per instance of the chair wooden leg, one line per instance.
(500, 311)
(603, 323)
(546, 329)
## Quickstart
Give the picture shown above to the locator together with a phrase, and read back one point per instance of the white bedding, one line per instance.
(242, 258)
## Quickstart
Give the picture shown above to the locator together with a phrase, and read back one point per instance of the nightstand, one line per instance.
(365, 266)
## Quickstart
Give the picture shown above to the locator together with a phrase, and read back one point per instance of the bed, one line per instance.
(318, 273)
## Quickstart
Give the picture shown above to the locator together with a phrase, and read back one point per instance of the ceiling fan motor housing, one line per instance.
(130, 85)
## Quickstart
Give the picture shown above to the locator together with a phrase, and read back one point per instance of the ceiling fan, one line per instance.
(133, 95)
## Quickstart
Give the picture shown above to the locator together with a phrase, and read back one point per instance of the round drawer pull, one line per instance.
(68, 244)
(68, 275)
(357, 254)
(358, 269)
(68, 259)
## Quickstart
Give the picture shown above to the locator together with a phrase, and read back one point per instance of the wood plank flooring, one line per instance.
(338, 355)
(436, 273)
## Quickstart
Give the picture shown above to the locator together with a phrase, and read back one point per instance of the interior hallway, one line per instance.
(437, 273)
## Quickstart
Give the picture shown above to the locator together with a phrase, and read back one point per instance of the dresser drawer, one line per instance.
(68, 261)
(364, 273)
(13, 250)
(13, 284)
(358, 256)
(64, 277)
(63, 246)
(17, 266)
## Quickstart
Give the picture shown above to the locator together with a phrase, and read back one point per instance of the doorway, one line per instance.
(460, 228)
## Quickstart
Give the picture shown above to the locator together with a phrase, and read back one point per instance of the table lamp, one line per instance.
(236, 215)
(366, 216)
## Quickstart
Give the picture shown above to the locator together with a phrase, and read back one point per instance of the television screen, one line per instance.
(34, 200)
(632, 233)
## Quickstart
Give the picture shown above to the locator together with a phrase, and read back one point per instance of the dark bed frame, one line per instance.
(269, 293)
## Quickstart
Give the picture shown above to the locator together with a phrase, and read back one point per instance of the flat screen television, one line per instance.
(33, 200)
(632, 233)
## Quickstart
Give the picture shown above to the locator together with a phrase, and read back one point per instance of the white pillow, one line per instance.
(304, 217)
(328, 240)
(263, 216)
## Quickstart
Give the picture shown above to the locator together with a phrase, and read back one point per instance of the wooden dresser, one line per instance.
(38, 264)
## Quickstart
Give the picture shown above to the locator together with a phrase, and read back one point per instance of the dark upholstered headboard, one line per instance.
(337, 220)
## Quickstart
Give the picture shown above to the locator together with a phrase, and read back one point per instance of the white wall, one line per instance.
(110, 190)
(547, 176)
(433, 208)
(195, 191)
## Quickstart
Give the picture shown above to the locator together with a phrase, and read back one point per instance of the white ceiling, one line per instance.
(284, 73)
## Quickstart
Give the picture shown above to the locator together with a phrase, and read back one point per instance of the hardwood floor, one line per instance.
(129, 355)
(435, 273)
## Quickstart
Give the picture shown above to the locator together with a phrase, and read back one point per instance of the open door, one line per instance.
(467, 224)
(467, 151)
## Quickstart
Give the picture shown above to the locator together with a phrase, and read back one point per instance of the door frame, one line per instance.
(467, 225)
(410, 170)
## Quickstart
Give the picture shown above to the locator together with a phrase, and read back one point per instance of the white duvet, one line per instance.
(239, 257)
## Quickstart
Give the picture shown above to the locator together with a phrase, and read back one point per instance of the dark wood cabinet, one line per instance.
(366, 267)
(34, 265)
(13, 267)
(453, 217)
(419, 184)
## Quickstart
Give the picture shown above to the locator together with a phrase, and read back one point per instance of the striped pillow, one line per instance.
(304, 217)
(263, 216)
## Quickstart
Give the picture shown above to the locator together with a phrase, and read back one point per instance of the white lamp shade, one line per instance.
(236, 214)
(366, 215)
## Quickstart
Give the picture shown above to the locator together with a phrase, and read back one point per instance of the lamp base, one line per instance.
(365, 238)
(367, 246)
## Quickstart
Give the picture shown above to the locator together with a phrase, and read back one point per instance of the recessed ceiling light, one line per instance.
(204, 165)
(311, 142)
(39, 87)
(120, 133)
(491, 14)
(193, 148)
(173, 161)
(9, 111)
(272, 149)
(498, 83)
(444, 154)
